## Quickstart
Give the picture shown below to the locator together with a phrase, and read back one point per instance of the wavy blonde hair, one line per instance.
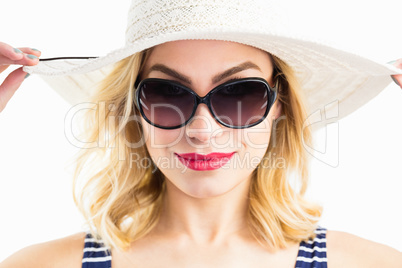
(122, 202)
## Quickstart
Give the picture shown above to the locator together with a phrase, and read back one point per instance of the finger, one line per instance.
(397, 79)
(19, 56)
(3, 67)
(9, 52)
(26, 50)
(10, 85)
(29, 50)
(26, 59)
(397, 63)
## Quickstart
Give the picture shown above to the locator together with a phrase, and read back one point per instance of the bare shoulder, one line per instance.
(347, 250)
(63, 252)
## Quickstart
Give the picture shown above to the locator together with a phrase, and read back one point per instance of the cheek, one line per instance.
(257, 137)
(157, 138)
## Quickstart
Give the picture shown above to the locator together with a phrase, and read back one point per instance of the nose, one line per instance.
(203, 126)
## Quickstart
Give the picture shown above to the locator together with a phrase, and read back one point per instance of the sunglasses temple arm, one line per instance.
(275, 88)
(275, 91)
(136, 92)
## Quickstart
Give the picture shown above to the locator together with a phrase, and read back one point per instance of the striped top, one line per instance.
(96, 255)
(311, 254)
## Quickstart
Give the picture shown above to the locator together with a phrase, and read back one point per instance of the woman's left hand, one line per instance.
(397, 78)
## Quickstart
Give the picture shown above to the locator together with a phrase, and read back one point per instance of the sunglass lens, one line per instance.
(241, 103)
(165, 104)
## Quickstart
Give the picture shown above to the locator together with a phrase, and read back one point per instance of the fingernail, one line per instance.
(33, 57)
(396, 81)
(34, 49)
(27, 76)
(16, 50)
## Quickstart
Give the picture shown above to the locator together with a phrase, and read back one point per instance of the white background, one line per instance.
(362, 195)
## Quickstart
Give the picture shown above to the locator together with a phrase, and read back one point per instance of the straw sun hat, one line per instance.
(335, 82)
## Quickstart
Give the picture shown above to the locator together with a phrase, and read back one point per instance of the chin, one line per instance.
(203, 186)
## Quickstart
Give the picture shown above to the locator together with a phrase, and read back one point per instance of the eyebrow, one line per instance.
(236, 69)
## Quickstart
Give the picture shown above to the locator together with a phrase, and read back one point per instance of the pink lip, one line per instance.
(204, 162)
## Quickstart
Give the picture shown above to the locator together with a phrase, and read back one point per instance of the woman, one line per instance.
(192, 212)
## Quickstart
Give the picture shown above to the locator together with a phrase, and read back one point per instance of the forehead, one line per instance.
(202, 55)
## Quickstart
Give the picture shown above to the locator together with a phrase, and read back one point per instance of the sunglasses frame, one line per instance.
(271, 93)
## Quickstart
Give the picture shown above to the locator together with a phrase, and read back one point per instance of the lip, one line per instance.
(202, 162)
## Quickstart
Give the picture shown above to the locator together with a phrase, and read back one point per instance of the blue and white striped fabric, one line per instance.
(312, 254)
(96, 255)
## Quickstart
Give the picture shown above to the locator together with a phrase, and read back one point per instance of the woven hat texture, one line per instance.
(335, 81)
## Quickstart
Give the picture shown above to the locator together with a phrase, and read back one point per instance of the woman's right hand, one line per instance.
(14, 56)
(397, 78)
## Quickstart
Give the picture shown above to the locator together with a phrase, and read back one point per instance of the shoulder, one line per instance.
(347, 250)
(64, 252)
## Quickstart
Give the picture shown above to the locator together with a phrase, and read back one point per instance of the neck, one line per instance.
(204, 220)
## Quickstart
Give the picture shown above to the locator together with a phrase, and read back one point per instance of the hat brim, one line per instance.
(334, 81)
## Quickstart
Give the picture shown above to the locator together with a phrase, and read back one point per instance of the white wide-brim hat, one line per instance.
(335, 82)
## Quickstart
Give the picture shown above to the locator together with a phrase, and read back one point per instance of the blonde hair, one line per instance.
(278, 212)
(121, 202)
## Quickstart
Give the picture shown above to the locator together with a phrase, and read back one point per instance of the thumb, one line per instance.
(10, 85)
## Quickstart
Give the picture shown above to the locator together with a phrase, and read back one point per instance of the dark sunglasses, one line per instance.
(239, 103)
